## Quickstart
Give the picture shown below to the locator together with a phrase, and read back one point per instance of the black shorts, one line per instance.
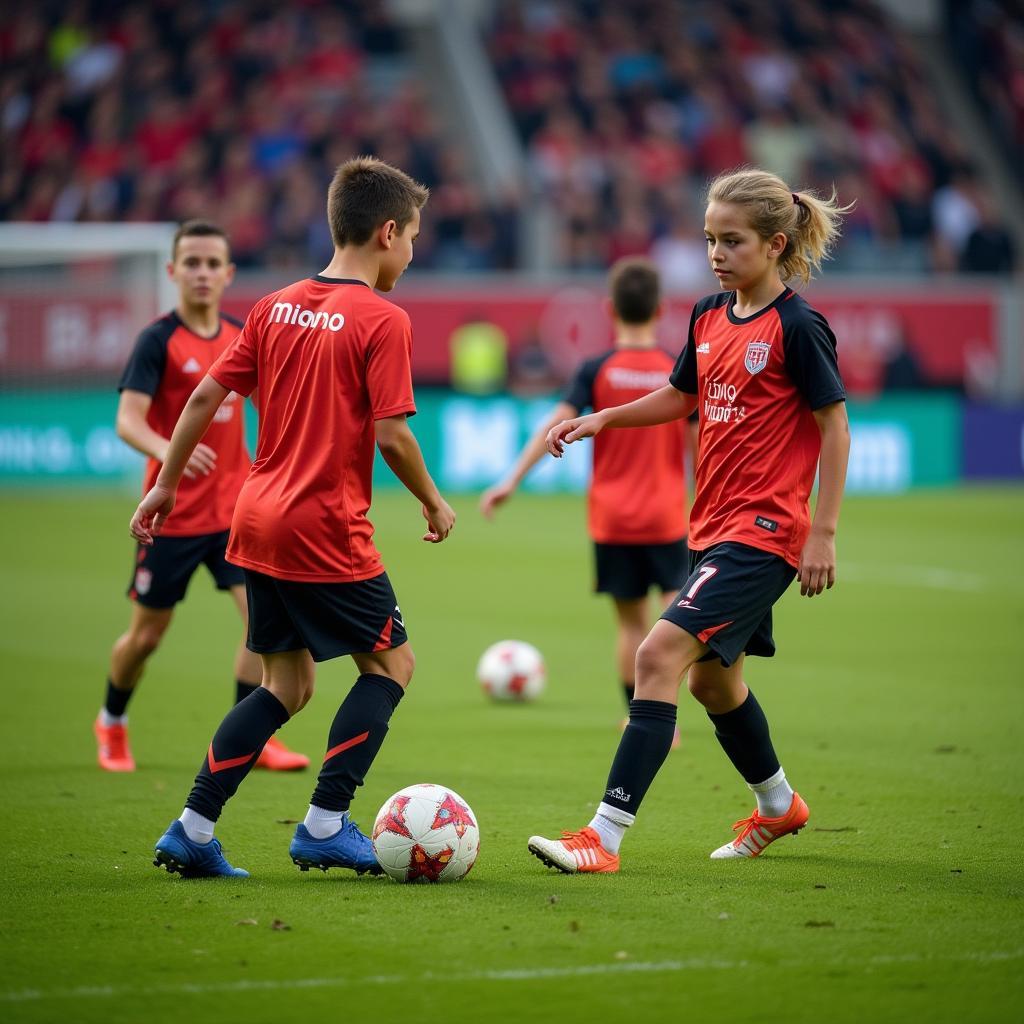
(163, 571)
(727, 601)
(628, 571)
(328, 619)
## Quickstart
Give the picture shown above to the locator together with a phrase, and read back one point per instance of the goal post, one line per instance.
(73, 297)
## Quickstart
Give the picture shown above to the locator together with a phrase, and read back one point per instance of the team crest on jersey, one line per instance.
(143, 580)
(756, 358)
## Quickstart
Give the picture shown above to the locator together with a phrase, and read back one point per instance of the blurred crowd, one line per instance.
(241, 109)
(987, 37)
(628, 109)
(238, 110)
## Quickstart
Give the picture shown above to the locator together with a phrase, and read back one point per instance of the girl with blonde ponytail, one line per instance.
(760, 367)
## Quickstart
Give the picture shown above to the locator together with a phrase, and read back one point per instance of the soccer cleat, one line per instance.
(576, 852)
(347, 848)
(756, 832)
(677, 739)
(276, 757)
(176, 852)
(112, 750)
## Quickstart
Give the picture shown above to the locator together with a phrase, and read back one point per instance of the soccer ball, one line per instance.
(426, 833)
(512, 670)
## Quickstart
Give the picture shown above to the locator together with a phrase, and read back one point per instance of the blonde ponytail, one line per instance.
(810, 223)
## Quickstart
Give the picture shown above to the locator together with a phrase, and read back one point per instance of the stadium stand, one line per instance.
(242, 110)
(627, 109)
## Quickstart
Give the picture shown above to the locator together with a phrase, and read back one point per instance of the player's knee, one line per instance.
(146, 638)
(654, 660)
(303, 696)
(404, 664)
(702, 691)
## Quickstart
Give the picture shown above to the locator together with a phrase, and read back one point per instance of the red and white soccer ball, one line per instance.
(426, 833)
(512, 670)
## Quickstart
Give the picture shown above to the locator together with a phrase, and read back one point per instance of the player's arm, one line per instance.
(134, 430)
(817, 570)
(533, 451)
(662, 406)
(401, 452)
(194, 421)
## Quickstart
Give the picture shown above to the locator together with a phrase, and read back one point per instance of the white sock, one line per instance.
(107, 719)
(321, 824)
(610, 824)
(774, 795)
(197, 828)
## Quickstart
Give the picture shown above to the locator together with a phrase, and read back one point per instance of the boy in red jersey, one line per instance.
(762, 364)
(329, 360)
(170, 355)
(637, 494)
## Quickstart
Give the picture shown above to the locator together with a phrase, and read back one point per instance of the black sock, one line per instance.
(235, 747)
(743, 733)
(117, 700)
(357, 732)
(628, 689)
(243, 689)
(642, 751)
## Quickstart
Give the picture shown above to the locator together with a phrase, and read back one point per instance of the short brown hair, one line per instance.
(367, 192)
(198, 229)
(635, 288)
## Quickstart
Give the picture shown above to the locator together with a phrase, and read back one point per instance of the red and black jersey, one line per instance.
(758, 380)
(329, 356)
(638, 484)
(167, 362)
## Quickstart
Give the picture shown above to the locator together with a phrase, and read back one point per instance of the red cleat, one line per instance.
(757, 832)
(276, 757)
(112, 750)
(575, 852)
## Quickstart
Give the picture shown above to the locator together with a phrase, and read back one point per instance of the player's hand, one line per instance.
(151, 514)
(440, 521)
(817, 570)
(568, 431)
(202, 462)
(495, 496)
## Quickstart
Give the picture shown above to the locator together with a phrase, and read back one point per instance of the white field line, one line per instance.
(29, 995)
(916, 576)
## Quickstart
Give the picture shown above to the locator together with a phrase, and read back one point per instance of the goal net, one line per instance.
(73, 297)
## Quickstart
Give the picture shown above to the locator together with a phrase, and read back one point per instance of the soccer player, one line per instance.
(762, 364)
(169, 357)
(329, 360)
(637, 495)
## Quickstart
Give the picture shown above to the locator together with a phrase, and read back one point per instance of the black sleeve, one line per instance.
(580, 392)
(684, 373)
(145, 368)
(811, 359)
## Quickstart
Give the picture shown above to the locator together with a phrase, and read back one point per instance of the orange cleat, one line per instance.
(112, 750)
(276, 757)
(756, 832)
(575, 852)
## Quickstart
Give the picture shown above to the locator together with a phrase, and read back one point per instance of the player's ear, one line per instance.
(609, 309)
(170, 269)
(229, 274)
(777, 244)
(386, 233)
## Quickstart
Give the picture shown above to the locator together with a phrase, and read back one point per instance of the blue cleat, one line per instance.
(176, 852)
(347, 848)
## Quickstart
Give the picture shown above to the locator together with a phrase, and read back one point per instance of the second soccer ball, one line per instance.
(512, 670)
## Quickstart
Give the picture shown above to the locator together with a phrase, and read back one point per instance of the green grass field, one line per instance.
(896, 707)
